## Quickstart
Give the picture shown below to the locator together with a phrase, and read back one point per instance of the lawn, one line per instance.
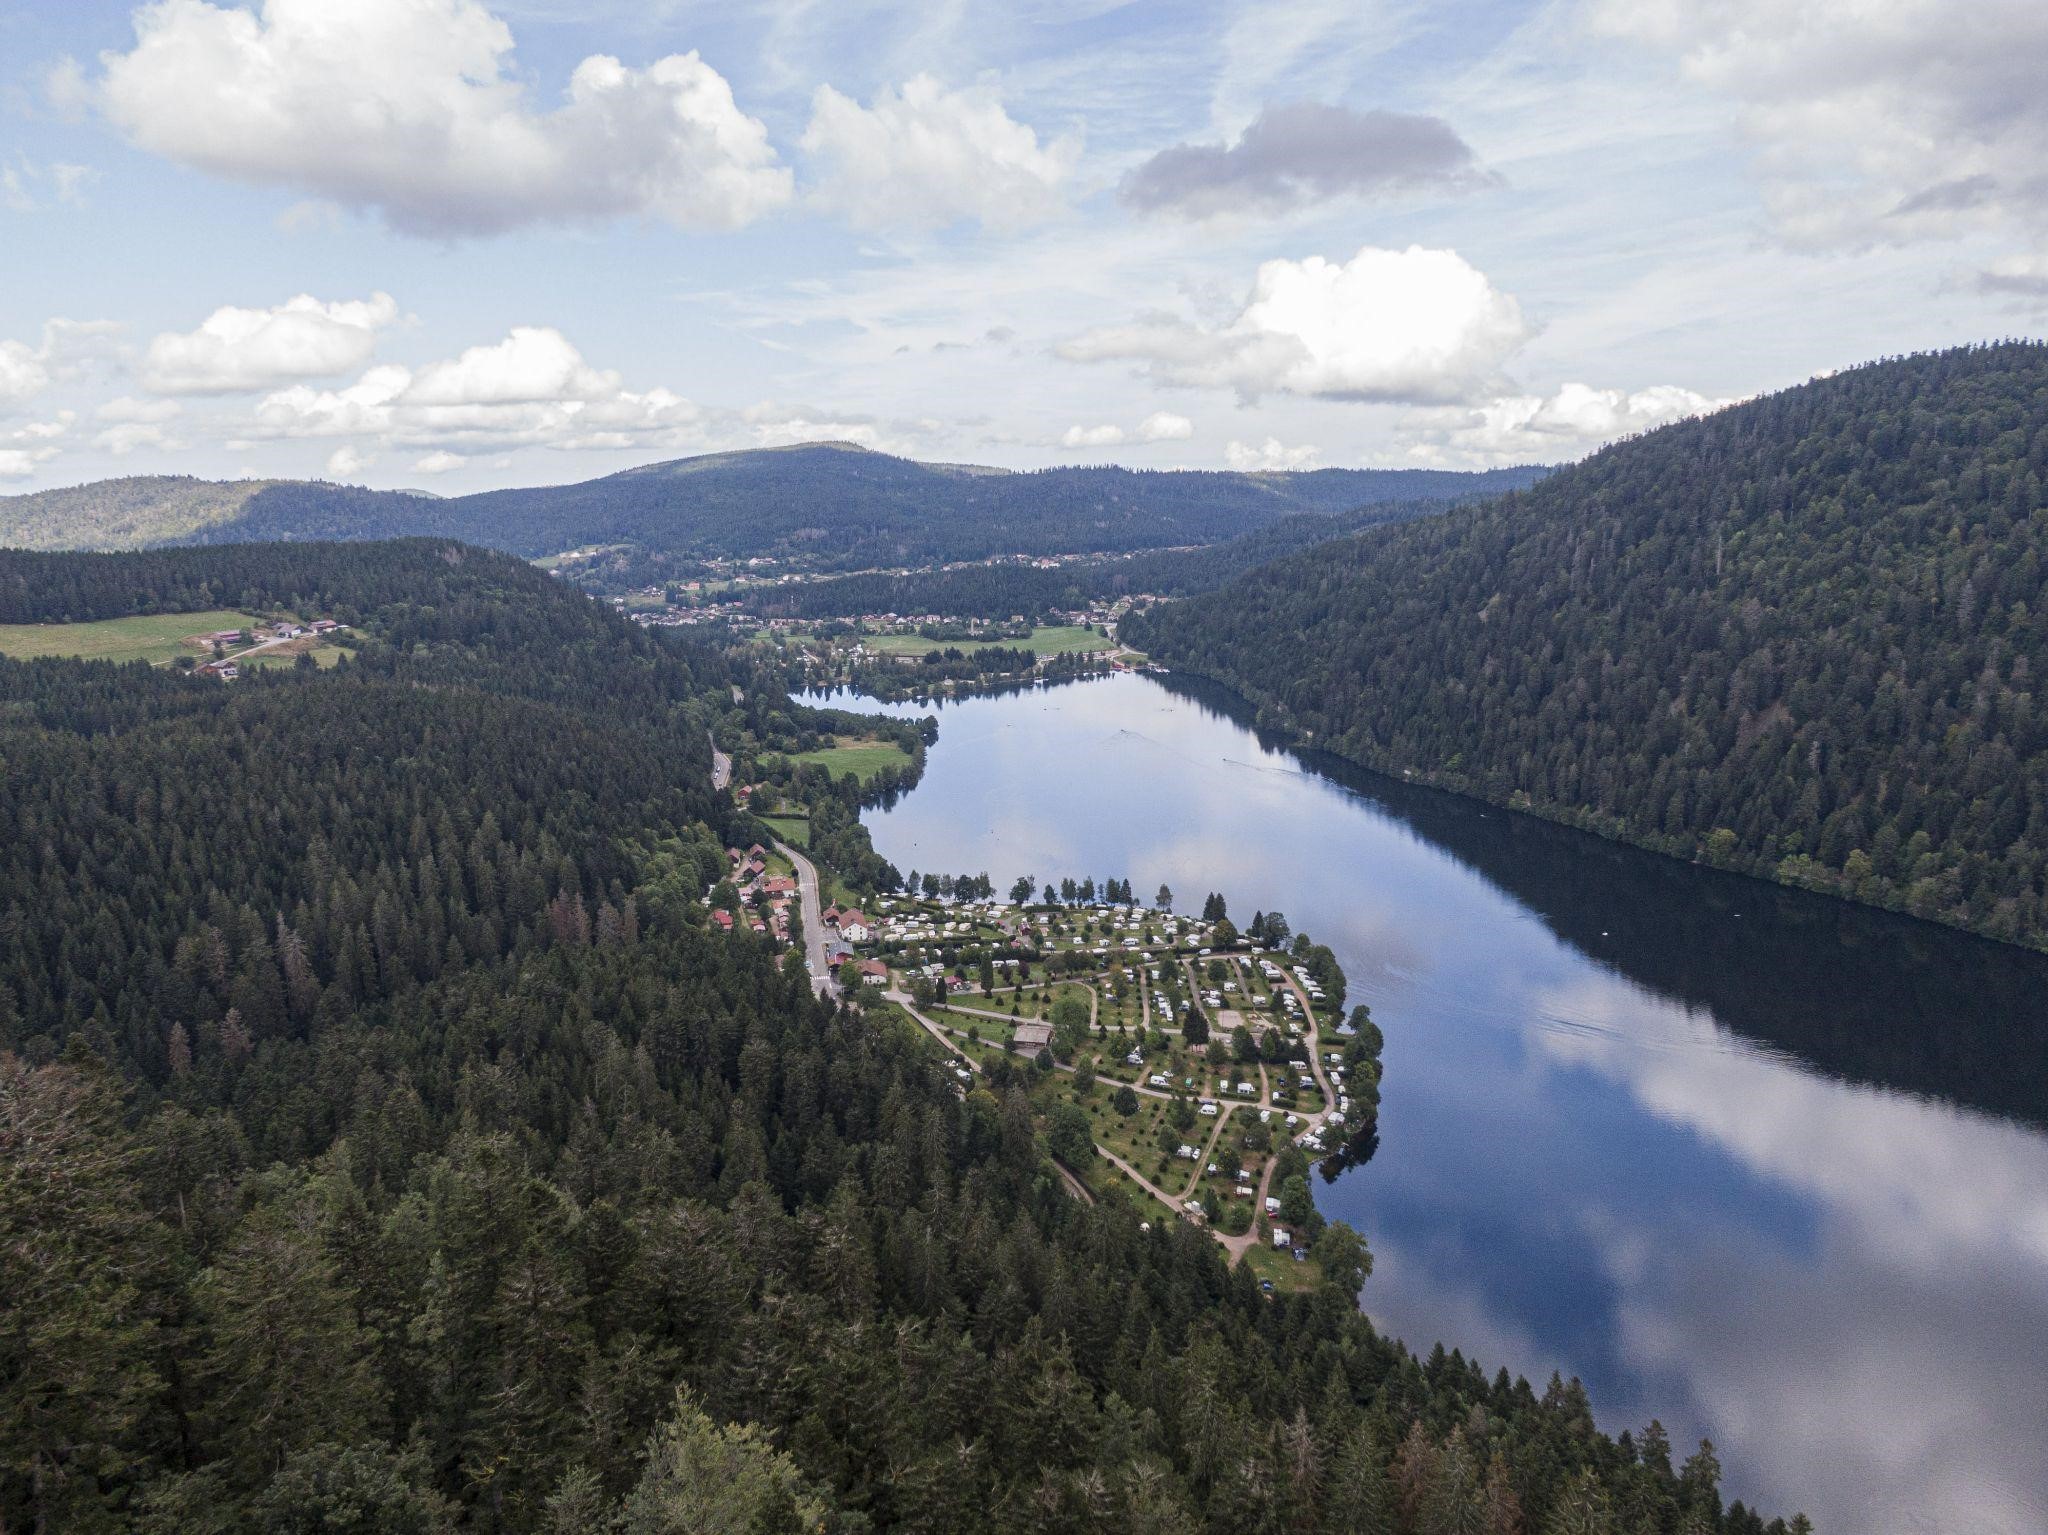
(793, 829)
(1058, 640)
(863, 759)
(155, 637)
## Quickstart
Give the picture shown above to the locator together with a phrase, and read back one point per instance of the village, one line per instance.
(1198, 1069)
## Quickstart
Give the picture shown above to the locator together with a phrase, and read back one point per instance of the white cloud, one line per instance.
(237, 349)
(926, 156)
(1521, 429)
(413, 108)
(438, 463)
(124, 437)
(42, 431)
(1878, 122)
(20, 463)
(533, 388)
(32, 444)
(23, 372)
(347, 462)
(1160, 426)
(18, 180)
(1255, 458)
(533, 363)
(1410, 325)
(67, 347)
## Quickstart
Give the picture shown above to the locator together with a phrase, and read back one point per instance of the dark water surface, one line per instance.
(1768, 1167)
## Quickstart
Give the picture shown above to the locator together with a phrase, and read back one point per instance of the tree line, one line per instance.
(1800, 638)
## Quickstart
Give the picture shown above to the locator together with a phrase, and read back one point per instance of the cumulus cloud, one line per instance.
(1412, 325)
(23, 372)
(1521, 429)
(1879, 122)
(1298, 153)
(438, 463)
(67, 347)
(1160, 426)
(533, 388)
(1165, 426)
(348, 461)
(20, 463)
(32, 444)
(927, 156)
(1272, 454)
(412, 109)
(236, 349)
(124, 437)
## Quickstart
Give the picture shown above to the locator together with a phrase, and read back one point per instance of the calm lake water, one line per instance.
(1769, 1168)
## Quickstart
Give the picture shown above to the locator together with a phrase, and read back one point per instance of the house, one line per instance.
(875, 970)
(1031, 1038)
(778, 885)
(723, 920)
(854, 927)
(324, 626)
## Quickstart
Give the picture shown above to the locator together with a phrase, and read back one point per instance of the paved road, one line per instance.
(822, 981)
(721, 766)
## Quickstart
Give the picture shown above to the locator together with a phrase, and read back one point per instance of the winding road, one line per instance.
(822, 979)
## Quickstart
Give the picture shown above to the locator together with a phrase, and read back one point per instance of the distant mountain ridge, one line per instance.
(1803, 638)
(840, 505)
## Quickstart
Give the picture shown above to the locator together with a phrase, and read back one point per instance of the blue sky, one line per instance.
(466, 243)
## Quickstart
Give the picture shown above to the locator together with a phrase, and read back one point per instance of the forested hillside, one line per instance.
(148, 510)
(829, 504)
(388, 1145)
(1802, 638)
(997, 591)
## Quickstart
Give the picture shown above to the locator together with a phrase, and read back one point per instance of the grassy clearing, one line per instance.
(1056, 640)
(793, 829)
(323, 656)
(153, 637)
(863, 759)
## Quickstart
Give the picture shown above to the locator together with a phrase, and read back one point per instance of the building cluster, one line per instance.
(259, 637)
(764, 898)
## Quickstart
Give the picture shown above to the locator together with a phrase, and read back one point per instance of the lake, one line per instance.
(1767, 1167)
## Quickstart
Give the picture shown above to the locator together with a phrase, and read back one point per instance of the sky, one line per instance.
(461, 244)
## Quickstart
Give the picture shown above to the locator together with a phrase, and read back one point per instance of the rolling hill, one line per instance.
(836, 505)
(1802, 638)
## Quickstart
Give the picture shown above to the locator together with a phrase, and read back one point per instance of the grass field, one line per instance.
(323, 656)
(1061, 639)
(793, 829)
(156, 637)
(863, 759)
